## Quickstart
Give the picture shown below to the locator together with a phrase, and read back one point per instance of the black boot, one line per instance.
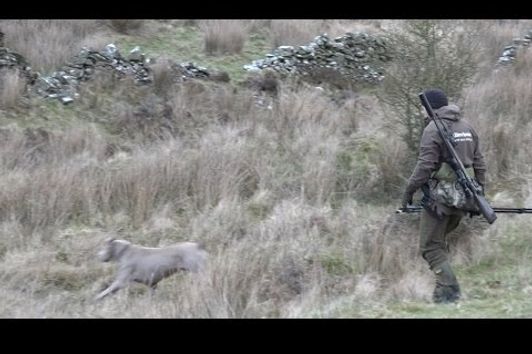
(444, 294)
(447, 289)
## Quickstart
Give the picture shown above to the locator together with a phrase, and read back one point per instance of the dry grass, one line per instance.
(163, 76)
(187, 22)
(300, 32)
(335, 28)
(12, 85)
(224, 36)
(126, 26)
(495, 35)
(234, 174)
(48, 44)
(295, 32)
(296, 261)
(500, 107)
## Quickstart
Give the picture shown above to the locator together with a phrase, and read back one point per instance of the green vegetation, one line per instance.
(184, 44)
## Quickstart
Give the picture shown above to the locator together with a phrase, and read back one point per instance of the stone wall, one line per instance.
(509, 52)
(356, 56)
(63, 84)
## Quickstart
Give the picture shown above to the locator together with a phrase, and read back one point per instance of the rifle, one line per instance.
(418, 208)
(471, 188)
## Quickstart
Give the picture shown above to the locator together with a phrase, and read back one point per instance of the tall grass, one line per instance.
(500, 107)
(500, 35)
(48, 44)
(224, 36)
(294, 32)
(12, 85)
(126, 26)
(255, 188)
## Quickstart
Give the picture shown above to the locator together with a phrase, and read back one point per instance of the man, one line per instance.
(444, 201)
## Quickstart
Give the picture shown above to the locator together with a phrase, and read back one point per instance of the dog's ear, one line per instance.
(118, 247)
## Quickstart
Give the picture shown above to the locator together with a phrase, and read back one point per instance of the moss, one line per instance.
(259, 210)
(336, 264)
(62, 257)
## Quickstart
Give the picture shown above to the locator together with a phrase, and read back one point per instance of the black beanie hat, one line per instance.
(436, 98)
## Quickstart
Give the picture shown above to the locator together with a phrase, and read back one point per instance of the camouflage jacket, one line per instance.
(432, 151)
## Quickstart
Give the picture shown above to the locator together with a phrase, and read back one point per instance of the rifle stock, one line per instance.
(485, 209)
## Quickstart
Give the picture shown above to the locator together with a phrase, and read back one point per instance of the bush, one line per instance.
(427, 54)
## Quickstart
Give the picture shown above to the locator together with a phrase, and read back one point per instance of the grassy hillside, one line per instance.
(185, 44)
(295, 204)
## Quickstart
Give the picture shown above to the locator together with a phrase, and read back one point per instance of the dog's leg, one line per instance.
(152, 290)
(114, 287)
(120, 282)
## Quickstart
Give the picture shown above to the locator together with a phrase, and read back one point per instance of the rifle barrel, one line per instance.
(416, 209)
(513, 210)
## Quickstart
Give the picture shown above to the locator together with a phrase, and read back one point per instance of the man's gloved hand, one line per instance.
(407, 198)
(483, 188)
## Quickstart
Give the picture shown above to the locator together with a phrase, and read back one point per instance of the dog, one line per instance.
(148, 265)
